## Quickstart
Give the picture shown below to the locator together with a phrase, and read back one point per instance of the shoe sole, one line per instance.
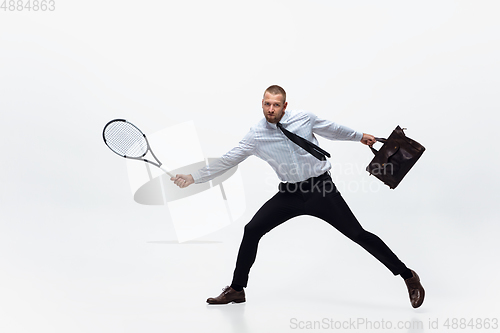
(233, 301)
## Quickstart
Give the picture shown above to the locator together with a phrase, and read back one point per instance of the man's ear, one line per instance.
(284, 106)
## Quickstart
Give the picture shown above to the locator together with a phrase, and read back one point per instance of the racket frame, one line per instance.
(140, 158)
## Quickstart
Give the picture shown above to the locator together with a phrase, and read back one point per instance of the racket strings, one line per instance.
(125, 139)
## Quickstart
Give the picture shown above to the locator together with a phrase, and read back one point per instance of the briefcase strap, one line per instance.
(375, 151)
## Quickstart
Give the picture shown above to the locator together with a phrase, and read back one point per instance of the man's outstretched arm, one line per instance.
(227, 161)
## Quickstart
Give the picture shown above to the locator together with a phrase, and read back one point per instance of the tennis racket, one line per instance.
(126, 140)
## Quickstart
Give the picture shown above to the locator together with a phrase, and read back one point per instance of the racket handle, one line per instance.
(168, 173)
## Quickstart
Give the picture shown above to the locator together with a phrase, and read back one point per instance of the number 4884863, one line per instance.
(28, 5)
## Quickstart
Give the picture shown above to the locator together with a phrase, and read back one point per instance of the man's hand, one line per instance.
(182, 180)
(368, 139)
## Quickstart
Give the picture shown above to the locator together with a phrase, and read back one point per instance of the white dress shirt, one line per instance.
(290, 162)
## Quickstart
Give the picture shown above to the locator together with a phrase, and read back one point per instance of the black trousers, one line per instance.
(316, 197)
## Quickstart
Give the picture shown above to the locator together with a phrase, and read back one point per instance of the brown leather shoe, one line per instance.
(228, 295)
(415, 290)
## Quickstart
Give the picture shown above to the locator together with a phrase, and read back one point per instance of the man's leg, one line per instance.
(329, 205)
(280, 208)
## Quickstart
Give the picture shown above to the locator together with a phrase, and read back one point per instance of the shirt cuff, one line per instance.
(358, 136)
(196, 177)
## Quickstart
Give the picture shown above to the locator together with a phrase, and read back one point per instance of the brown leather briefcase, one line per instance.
(395, 158)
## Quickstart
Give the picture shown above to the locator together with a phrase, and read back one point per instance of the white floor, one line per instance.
(119, 272)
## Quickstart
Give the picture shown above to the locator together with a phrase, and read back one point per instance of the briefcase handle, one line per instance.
(375, 151)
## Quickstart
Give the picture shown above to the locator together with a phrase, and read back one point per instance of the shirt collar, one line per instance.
(282, 120)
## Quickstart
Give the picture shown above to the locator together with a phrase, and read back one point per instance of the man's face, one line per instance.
(273, 107)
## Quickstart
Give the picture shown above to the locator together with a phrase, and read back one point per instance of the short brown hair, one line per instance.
(276, 90)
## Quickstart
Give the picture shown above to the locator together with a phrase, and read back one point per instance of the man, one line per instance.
(286, 141)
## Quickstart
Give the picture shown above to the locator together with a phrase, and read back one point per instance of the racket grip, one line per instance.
(168, 173)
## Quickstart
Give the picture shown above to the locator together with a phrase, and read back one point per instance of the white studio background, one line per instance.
(77, 254)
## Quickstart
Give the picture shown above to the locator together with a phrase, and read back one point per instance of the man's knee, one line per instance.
(358, 235)
(363, 236)
(253, 230)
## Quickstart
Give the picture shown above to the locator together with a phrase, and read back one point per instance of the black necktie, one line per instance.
(305, 144)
